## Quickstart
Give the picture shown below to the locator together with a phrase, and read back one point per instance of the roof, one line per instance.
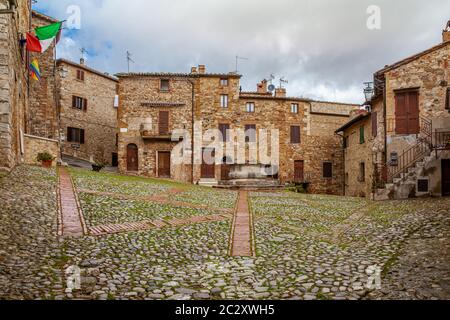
(271, 97)
(86, 68)
(177, 75)
(412, 58)
(44, 17)
(355, 120)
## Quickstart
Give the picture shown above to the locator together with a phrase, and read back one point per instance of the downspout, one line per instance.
(385, 121)
(343, 156)
(192, 128)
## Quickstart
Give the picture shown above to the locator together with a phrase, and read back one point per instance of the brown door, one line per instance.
(132, 158)
(225, 170)
(208, 171)
(298, 171)
(164, 164)
(163, 123)
(407, 112)
(445, 178)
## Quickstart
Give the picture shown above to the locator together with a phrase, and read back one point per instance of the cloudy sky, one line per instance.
(324, 48)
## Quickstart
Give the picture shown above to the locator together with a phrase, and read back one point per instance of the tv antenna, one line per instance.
(238, 58)
(283, 81)
(129, 59)
(83, 51)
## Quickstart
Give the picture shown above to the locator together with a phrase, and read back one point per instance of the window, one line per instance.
(75, 135)
(447, 100)
(164, 85)
(328, 170)
(163, 127)
(362, 172)
(224, 101)
(374, 124)
(80, 75)
(79, 103)
(117, 139)
(362, 138)
(250, 107)
(224, 82)
(224, 130)
(250, 133)
(294, 108)
(295, 134)
(407, 112)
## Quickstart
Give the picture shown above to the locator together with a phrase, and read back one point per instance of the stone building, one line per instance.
(87, 101)
(212, 109)
(411, 105)
(42, 116)
(15, 21)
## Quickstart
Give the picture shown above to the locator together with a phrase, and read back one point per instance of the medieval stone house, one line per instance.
(154, 106)
(409, 147)
(87, 102)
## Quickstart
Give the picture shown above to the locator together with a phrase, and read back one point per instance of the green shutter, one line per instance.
(361, 135)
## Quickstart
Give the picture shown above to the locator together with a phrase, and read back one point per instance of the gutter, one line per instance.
(343, 156)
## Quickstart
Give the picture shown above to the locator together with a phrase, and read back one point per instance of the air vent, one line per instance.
(423, 185)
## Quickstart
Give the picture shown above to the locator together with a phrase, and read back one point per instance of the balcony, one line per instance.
(156, 132)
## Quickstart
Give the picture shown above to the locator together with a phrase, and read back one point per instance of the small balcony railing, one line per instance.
(156, 132)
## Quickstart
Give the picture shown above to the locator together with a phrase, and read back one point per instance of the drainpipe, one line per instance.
(385, 121)
(192, 82)
(343, 155)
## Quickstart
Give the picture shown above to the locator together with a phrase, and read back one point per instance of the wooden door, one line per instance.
(115, 160)
(445, 178)
(163, 123)
(407, 113)
(132, 158)
(164, 164)
(225, 170)
(208, 171)
(299, 171)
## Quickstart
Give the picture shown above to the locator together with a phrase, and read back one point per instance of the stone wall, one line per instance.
(99, 120)
(42, 117)
(13, 83)
(35, 145)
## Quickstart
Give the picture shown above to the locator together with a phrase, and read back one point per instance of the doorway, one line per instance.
(132, 158)
(446, 177)
(164, 164)
(299, 175)
(208, 171)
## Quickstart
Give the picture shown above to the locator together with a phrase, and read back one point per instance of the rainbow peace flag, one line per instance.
(34, 70)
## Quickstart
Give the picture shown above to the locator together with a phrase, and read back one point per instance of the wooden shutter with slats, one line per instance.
(295, 134)
(164, 122)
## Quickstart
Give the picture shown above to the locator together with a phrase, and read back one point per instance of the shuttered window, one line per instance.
(75, 135)
(80, 75)
(362, 138)
(407, 112)
(295, 134)
(164, 122)
(374, 124)
(328, 170)
(447, 100)
(79, 103)
(224, 130)
(250, 133)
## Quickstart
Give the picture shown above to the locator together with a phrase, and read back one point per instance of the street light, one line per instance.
(368, 91)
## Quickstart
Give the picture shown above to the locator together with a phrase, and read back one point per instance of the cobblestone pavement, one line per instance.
(302, 250)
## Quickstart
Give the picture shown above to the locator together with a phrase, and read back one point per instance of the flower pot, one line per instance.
(47, 163)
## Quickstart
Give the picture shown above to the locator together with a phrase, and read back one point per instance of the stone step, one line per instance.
(208, 182)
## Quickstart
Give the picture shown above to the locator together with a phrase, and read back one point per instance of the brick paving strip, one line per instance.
(242, 237)
(161, 199)
(70, 216)
(153, 224)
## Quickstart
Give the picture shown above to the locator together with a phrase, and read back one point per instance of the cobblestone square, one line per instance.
(301, 246)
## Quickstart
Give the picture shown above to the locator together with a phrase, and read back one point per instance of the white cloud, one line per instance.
(323, 47)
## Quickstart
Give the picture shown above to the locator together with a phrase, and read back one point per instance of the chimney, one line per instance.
(194, 70)
(262, 87)
(280, 93)
(446, 33)
(82, 61)
(201, 69)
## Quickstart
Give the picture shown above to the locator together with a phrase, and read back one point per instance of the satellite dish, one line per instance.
(271, 88)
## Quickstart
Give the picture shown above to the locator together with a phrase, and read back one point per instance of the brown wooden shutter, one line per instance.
(401, 113)
(327, 170)
(295, 134)
(82, 75)
(224, 128)
(374, 124)
(74, 102)
(69, 135)
(447, 100)
(81, 136)
(413, 113)
(85, 104)
(163, 122)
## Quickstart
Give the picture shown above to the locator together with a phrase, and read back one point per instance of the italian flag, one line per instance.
(44, 37)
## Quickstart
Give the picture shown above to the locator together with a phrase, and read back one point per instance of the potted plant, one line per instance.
(46, 159)
(98, 166)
